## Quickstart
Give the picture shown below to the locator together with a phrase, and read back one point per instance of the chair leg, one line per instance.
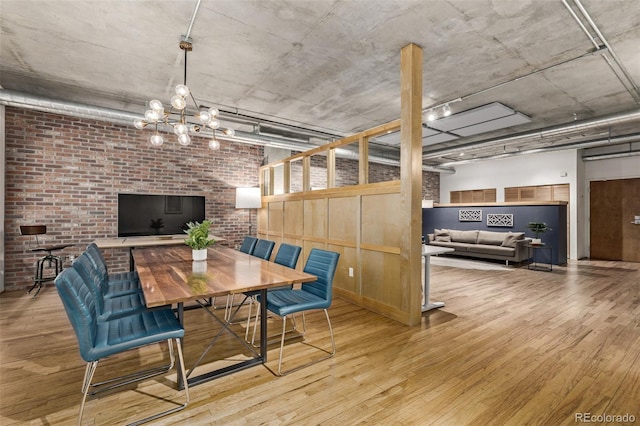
(91, 369)
(86, 384)
(330, 354)
(135, 377)
(183, 373)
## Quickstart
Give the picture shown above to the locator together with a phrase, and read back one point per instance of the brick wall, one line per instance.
(66, 172)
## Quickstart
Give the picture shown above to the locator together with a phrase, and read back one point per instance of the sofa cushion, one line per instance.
(512, 238)
(441, 235)
(493, 250)
(457, 246)
(491, 238)
(470, 237)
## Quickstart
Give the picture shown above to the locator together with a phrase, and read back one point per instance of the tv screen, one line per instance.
(157, 214)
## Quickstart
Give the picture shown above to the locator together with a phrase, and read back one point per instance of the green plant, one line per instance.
(198, 235)
(538, 228)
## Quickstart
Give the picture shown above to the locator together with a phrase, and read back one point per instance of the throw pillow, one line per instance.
(442, 235)
(511, 238)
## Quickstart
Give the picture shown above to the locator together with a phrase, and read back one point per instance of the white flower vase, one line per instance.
(199, 266)
(197, 255)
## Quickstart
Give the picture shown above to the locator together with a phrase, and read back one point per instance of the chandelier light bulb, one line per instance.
(156, 105)
(178, 102)
(182, 90)
(139, 124)
(214, 124)
(446, 111)
(180, 129)
(229, 132)
(156, 140)
(151, 115)
(214, 145)
(214, 112)
(204, 117)
(184, 140)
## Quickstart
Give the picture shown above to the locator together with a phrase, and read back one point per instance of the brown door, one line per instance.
(613, 206)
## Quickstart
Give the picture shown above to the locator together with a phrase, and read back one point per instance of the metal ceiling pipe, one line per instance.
(573, 145)
(537, 135)
(20, 100)
(610, 156)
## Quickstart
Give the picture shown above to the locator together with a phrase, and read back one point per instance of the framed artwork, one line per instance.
(500, 219)
(470, 215)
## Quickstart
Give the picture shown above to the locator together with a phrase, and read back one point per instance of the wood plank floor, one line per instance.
(511, 347)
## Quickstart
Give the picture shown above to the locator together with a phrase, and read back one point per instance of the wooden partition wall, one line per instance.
(376, 227)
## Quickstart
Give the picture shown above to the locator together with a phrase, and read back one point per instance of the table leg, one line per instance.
(426, 304)
(180, 316)
(263, 325)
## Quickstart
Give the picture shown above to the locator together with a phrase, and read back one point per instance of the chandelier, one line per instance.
(176, 116)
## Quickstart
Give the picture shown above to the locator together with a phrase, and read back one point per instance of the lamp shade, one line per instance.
(248, 198)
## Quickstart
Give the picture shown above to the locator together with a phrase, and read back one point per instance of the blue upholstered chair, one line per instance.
(108, 289)
(95, 254)
(311, 296)
(248, 245)
(257, 248)
(287, 255)
(107, 307)
(263, 249)
(100, 339)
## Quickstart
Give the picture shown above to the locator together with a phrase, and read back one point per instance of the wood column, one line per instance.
(363, 168)
(411, 180)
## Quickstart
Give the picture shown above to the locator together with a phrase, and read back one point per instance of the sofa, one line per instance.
(507, 246)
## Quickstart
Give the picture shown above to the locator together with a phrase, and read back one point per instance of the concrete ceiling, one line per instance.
(333, 65)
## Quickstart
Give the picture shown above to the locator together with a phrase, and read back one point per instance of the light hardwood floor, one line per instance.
(510, 347)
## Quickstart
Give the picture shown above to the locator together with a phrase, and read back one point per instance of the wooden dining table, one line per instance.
(168, 276)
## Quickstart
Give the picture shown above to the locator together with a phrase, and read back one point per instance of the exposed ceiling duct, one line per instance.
(617, 141)
(536, 135)
(25, 101)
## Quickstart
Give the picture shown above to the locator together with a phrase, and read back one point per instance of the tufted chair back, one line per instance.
(322, 264)
(79, 303)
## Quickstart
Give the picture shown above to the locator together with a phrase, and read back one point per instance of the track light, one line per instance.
(431, 115)
(446, 111)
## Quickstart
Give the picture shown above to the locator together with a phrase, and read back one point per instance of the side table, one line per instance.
(535, 254)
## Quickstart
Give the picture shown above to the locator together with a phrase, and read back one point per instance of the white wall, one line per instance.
(558, 167)
(615, 168)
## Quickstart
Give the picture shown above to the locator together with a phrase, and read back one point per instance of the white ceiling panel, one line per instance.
(488, 126)
(394, 137)
(471, 117)
(439, 138)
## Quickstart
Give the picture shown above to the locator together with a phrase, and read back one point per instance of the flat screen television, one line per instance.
(140, 214)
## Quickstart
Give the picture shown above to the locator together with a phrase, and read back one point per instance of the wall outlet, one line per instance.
(351, 272)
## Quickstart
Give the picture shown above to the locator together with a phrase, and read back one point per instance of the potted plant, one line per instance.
(538, 228)
(198, 239)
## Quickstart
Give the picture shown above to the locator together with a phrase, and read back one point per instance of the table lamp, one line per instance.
(248, 198)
